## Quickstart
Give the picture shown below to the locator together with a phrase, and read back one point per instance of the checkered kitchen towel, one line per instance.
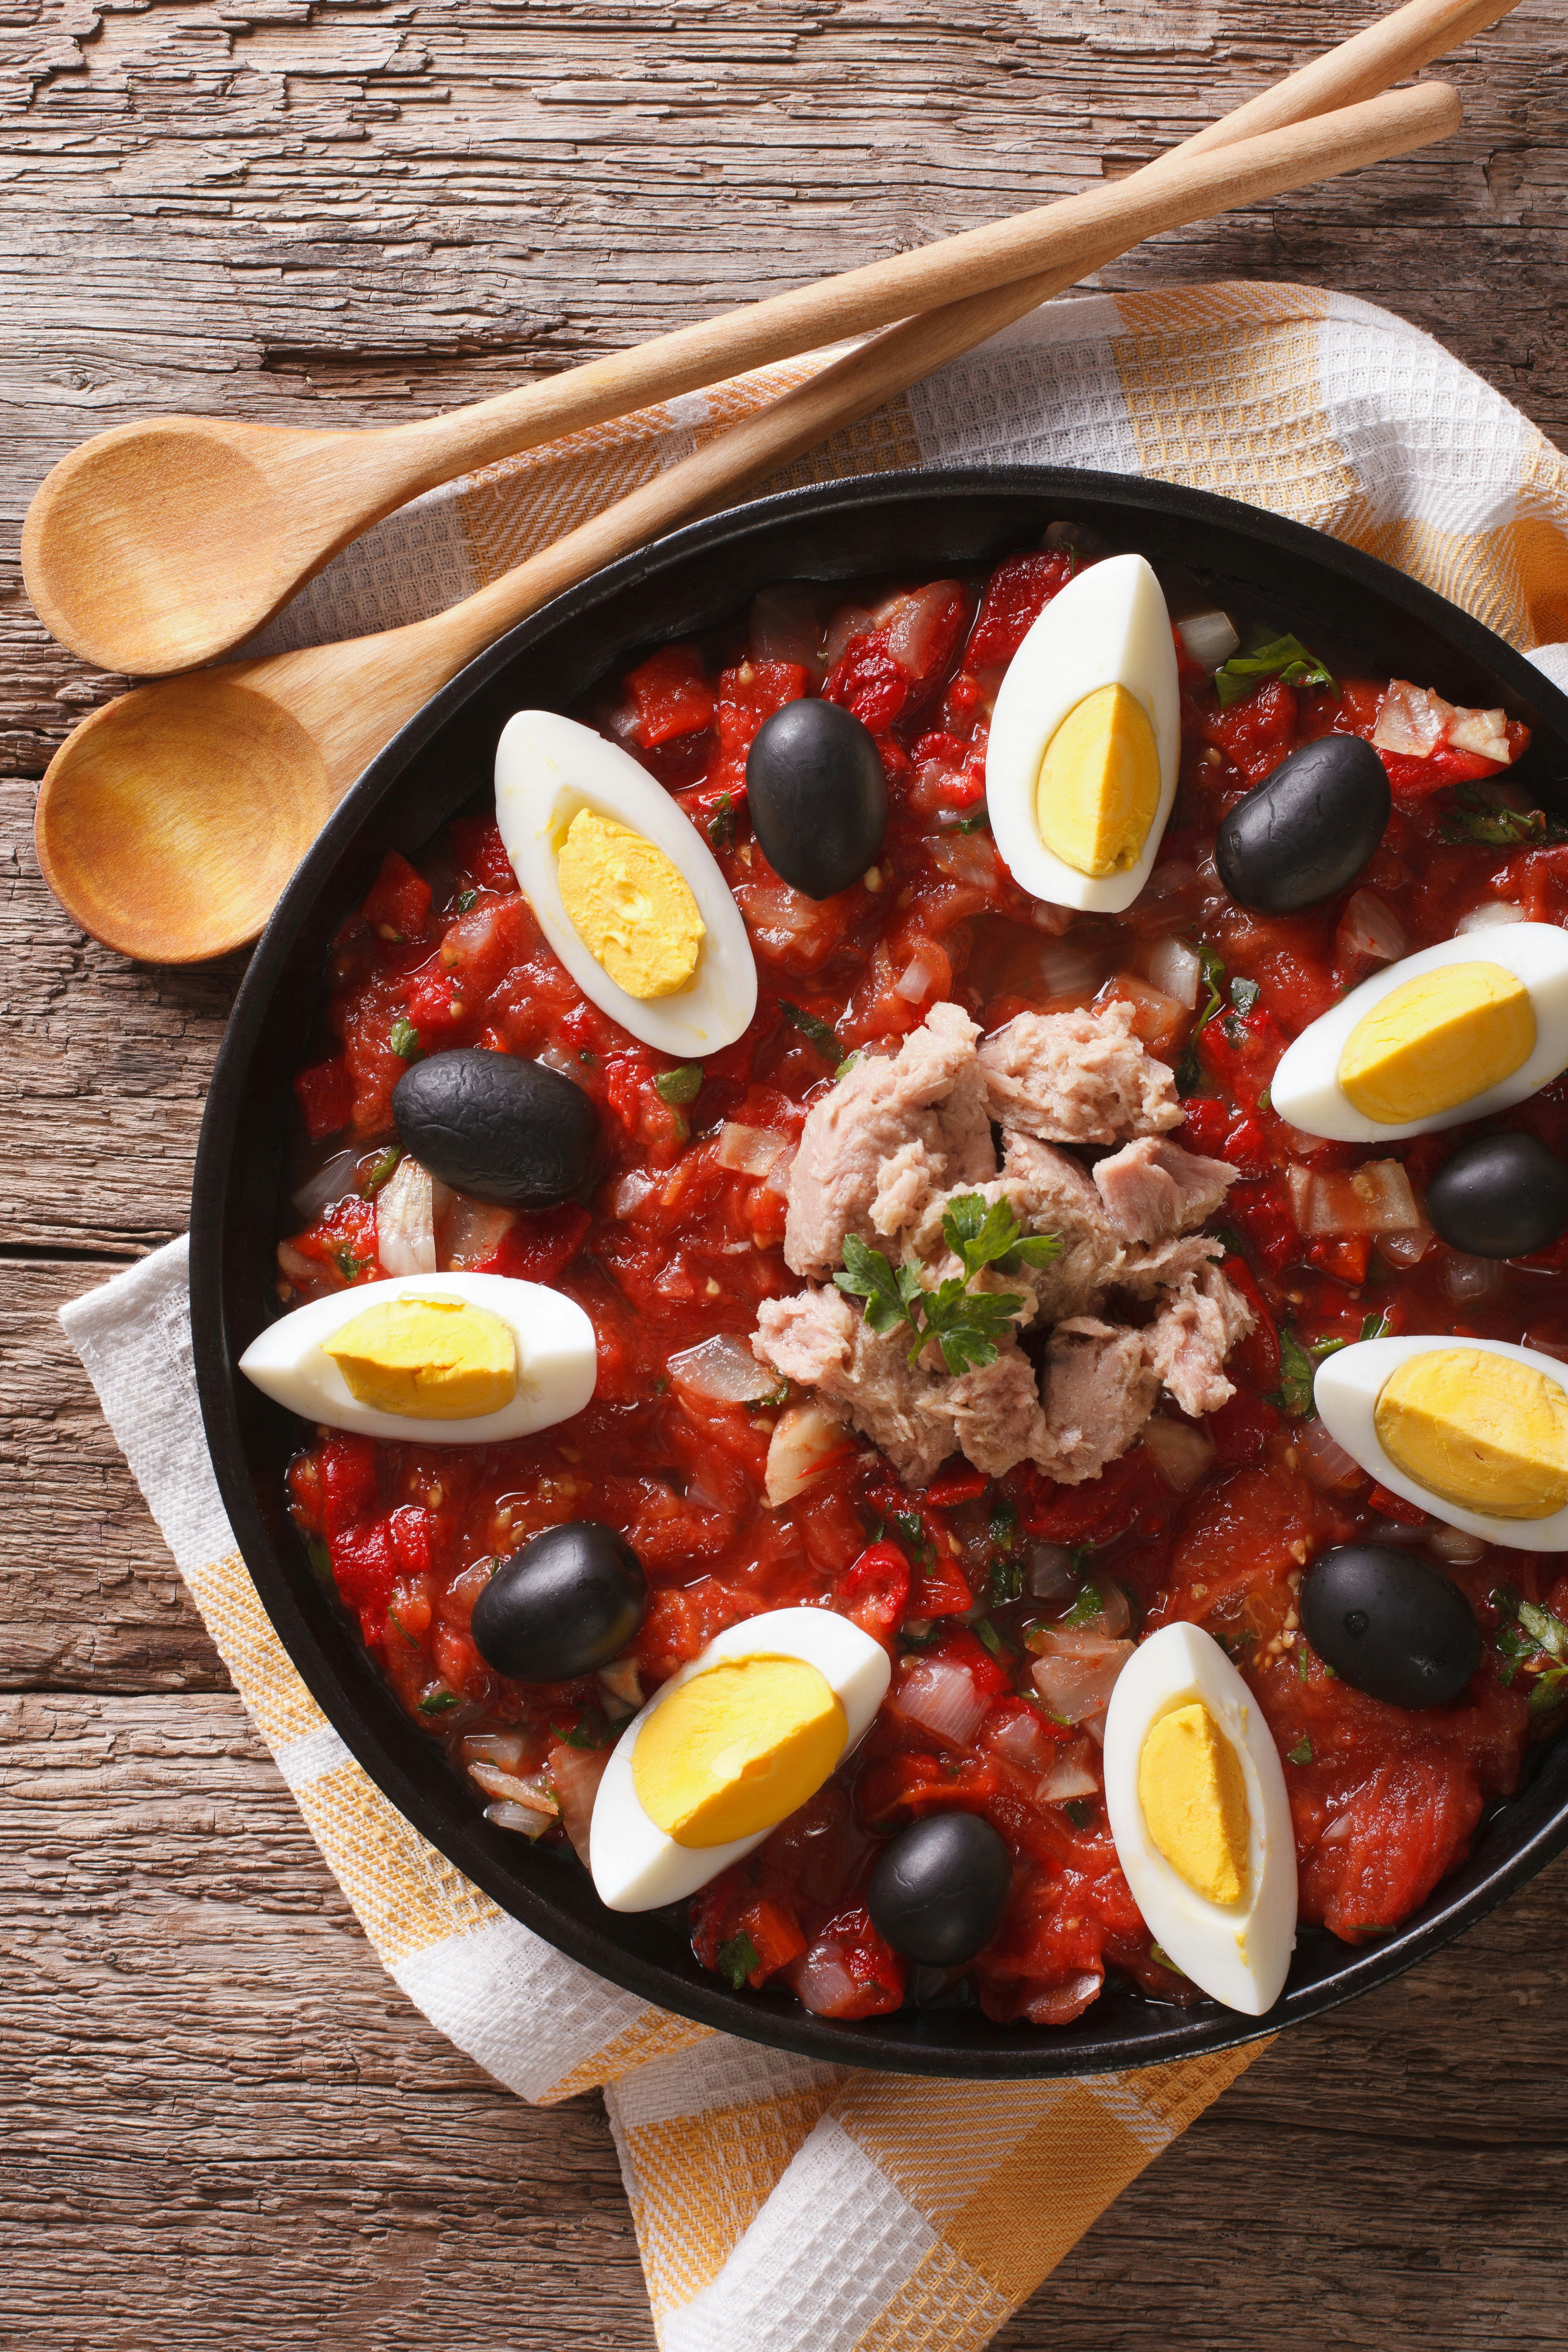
(782, 2205)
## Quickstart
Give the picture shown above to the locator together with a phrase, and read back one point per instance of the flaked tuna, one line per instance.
(1077, 1078)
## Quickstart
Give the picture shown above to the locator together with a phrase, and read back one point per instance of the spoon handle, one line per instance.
(354, 696)
(858, 302)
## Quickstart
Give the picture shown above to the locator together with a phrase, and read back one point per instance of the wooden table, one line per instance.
(221, 2124)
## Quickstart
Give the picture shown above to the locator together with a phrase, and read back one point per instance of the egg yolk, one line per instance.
(631, 906)
(1437, 1041)
(1480, 1431)
(429, 1359)
(1098, 789)
(737, 1749)
(1192, 1791)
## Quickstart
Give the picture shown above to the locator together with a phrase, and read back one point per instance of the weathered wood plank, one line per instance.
(88, 1595)
(213, 2082)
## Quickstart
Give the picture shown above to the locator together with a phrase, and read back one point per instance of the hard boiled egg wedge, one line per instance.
(1454, 1033)
(1086, 740)
(437, 1359)
(626, 890)
(1195, 1793)
(731, 1745)
(1474, 1431)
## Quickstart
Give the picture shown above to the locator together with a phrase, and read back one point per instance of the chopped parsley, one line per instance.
(1283, 658)
(1244, 995)
(1078, 1813)
(380, 1169)
(847, 1063)
(681, 1085)
(321, 1560)
(1530, 1637)
(1088, 1602)
(467, 898)
(1005, 1581)
(1211, 965)
(737, 1960)
(350, 1266)
(1476, 818)
(721, 824)
(592, 1729)
(815, 1033)
(405, 1040)
(966, 1324)
(439, 1702)
(1300, 1754)
(916, 1542)
(1294, 1393)
(992, 1638)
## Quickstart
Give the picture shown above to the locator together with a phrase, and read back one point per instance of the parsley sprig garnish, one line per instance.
(967, 1325)
(1283, 658)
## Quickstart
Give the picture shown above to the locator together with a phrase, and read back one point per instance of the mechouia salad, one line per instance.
(928, 1283)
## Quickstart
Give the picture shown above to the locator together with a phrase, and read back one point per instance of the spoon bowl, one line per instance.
(125, 822)
(157, 546)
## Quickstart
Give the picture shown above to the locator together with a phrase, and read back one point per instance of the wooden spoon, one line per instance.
(169, 822)
(160, 545)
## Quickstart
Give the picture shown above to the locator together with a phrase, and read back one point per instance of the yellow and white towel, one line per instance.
(782, 2206)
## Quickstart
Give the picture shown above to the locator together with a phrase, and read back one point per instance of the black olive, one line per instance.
(1390, 1624)
(818, 795)
(1499, 1196)
(500, 1128)
(939, 1888)
(564, 1605)
(1307, 829)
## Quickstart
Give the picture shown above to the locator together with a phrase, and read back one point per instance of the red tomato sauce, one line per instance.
(676, 1244)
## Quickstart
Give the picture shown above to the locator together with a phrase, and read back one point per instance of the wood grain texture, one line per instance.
(222, 2123)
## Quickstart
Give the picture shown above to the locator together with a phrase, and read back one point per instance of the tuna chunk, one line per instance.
(891, 1133)
(819, 1338)
(1147, 1273)
(1077, 1078)
(996, 1411)
(1189, 1340)
(1154, 1189)
(1099, 1390)
(1050, 1192)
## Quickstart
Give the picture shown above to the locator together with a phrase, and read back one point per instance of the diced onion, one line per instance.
(1482, 732)
(822, 1982)
(1407, 1249)
(1072, 968)
(1369, 928)
(293, 1266)
(750, 1150)
(1488, 916)
(1466, 1279)
(1210, 638)
(1384, 1189)
(1051, 1571)
(1411, 720)
(942, 1698)
(406, 1220)
(807, 1440)
(567, 1065)
(909, 626)
(723, 1370)
(1182, 1454)
(850, 621)
(1325, 1461)
(1022, 1739)
(632, 1191)
(331, 1183)
(965, 857)
(574, 1775)
(1078, 1672)
(914, 984)
(1072, 1774)
(1453, 1546)
(507, 1816)
(473, 1231)
(1175, 967)
(503, 1748)
(1375, 1199)
(533, 1791)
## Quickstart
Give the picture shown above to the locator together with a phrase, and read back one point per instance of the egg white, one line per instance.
(547, 767)
(1238, 1953)
(1345, 1392)
(1108, 627)
(636, 1866)
(557, 1360)
(1306, 1086)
